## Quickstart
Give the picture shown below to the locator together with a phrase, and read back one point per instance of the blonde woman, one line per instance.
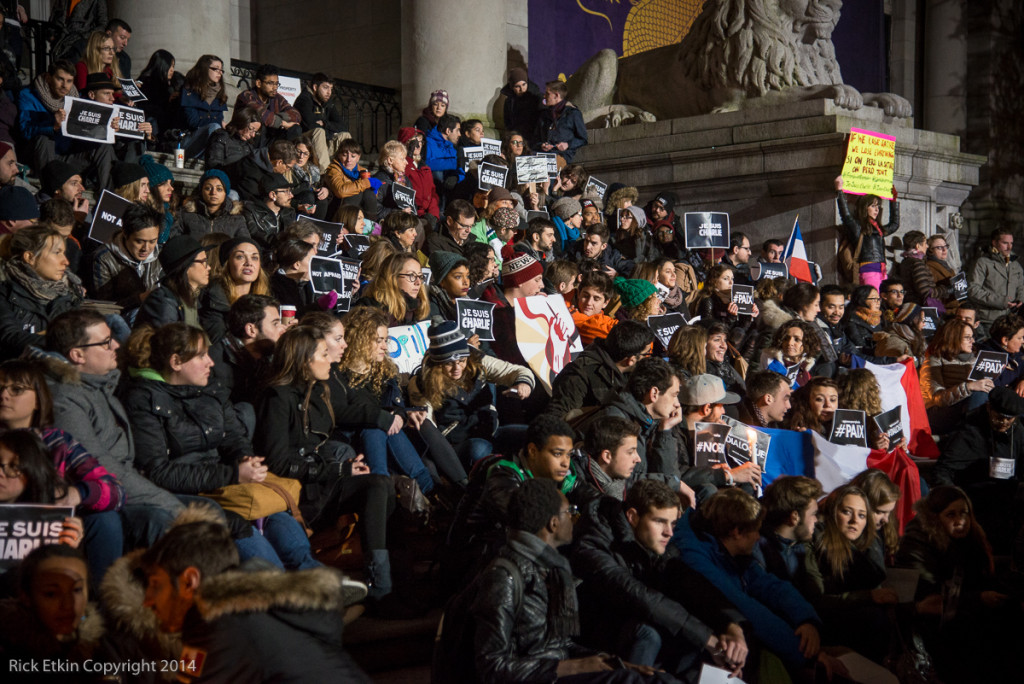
(391, 165)
(398, 290)
(99, 58)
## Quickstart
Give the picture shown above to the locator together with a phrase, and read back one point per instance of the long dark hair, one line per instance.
(30, 373)
(43, 485)
(156, 69)
(198, 78)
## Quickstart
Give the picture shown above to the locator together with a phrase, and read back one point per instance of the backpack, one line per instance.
(849, 260)
(454, 661)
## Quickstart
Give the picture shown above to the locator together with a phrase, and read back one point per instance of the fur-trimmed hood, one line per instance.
(193, 206)
(629, 192)
(771, 315)
(238, 591)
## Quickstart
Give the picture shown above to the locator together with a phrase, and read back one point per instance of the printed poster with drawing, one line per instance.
(407, 344)
(546, 336)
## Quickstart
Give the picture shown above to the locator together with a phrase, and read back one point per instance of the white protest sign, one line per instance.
(407, 344)
(289, 88)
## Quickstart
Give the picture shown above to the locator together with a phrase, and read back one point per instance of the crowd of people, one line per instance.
(151, 380)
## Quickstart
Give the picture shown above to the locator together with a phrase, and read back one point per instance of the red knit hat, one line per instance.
(521, 269)
(408, 133)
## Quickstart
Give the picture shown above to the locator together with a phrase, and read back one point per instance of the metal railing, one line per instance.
(372, 114)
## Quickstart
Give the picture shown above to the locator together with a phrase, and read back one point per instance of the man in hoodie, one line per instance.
(244, 626)
(40, 114)
(269, 215)
(995, 281)
(321, 116)
(82, 374)
(441, 155)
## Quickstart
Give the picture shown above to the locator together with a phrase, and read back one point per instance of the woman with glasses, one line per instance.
(235, 141)
(948, 394)
(937, 262)
(917, 278)
(186, 273)
(203, 103)
(865, 234)
(99, 58)
(457, 386)
(68, 475)
(398, 290)
(311, 195)
(37, 286)
(863, 319)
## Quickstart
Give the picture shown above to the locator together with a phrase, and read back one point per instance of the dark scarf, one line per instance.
(556, 110)
(43, 290)
(563, 611)
(674, 297)
(428, 114)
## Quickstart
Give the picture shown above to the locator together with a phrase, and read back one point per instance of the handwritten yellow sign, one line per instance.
(870, 163)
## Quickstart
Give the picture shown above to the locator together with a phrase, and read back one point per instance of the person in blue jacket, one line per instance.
(718, 541)
(441, 155)
(568, 218)
(203, 103)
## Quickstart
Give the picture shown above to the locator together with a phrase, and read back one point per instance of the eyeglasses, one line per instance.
(204, 262)
(272, 84)
(106, 49)
(302, 154)
(515, 143)
(940, 246)
(10, 469)
(873, 299)
(968, 338)
(573, 512)
(897, 292)
(15, 390)
(105, 343)
(413, 277)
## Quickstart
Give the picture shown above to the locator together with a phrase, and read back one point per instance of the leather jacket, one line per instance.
(872, 249)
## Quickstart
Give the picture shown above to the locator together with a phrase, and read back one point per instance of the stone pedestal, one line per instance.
(767, 165)
(188, 28)
(457, 46)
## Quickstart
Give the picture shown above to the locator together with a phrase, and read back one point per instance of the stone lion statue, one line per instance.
(736, 52)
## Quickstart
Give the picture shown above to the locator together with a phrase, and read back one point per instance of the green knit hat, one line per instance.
(633, 291)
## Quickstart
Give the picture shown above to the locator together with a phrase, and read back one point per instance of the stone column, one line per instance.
(945, 70)
(457, 46)
(187, 29)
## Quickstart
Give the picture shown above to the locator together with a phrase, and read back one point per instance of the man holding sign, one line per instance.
(41, 115)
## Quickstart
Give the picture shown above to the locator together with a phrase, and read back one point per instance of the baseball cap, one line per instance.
(706, 389)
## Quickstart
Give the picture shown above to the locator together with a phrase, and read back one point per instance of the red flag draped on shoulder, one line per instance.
(796, 254)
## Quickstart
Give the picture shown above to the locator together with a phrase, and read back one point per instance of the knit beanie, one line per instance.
(517, 74)
(219, 175)
(566, 208)
(17, 204)
(666, 200)
(907, 313)
(633, 291)
(447, 342)
(4, 149)
(520, 269)
(54, 175)
(439, 96)
(126, 173)
(638, 214)
(441, 264)
(505, 218)
(225, 249)
(157, 172)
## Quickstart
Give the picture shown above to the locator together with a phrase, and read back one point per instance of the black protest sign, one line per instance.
(350, 274)
(329, 232)
(491, 146)
(491, 176)
(989, 365)
(533, 169)
(552, 160)
(24, 527)
(87, 120)
(357, 244)
(326, 275)
(849, 428)
(931, 321)
(743, 298)
(132, 90)
(706, 230)
(958, 284)
(664, 327)
(129, 120)
(763, 271)
(543, 213)
(744, 444)
(792, 372)
(106, 217)
(596, 187)
(472, 154)
(891, 424)
(475, 318)
(709, 444)
(404, 196)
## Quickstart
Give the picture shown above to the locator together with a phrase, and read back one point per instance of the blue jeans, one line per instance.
(195, 142)
(377, 444)
(510, 437)
(282, 542)
(103, 543)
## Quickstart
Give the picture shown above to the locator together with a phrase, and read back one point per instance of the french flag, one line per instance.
(796, 255)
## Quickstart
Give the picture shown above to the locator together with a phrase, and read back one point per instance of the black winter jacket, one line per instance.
(213, 312)
(872, 249)
(312, 111)
(290, 436)
(24, 317)
(293, 293)
(161, 307)
(263, 225)
(225, 149)
(196, 221)
(622, 581)
(591, 380)
(964, 456)
(187, 440)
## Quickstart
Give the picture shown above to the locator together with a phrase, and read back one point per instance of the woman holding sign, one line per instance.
(1006, 336)
(866, 235)
(948, 394)
(715, 305)
(37, 287)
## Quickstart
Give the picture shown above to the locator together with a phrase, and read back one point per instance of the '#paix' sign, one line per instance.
(989, 365)
(849, 428)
